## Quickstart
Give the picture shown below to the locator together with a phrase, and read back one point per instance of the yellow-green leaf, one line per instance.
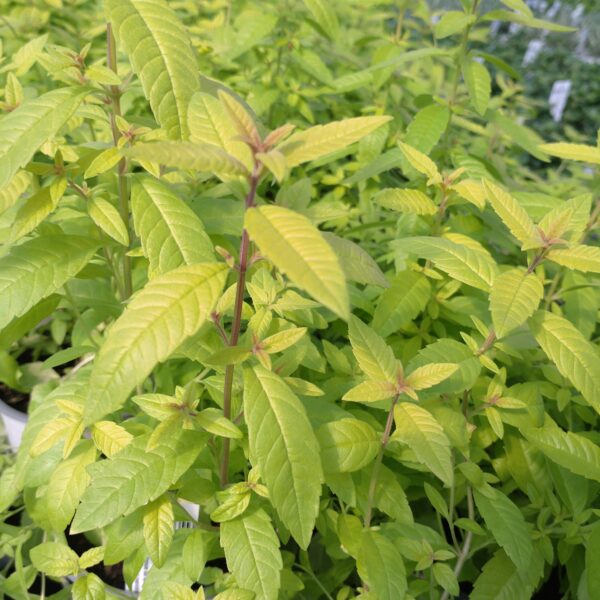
(371, 391)
(110, 438)
(573, 355)
(322, 140)
(297, 248)
(421, 162)
(171, 308)
(105, 161)
(581, 152)
(406, 200)
(429, 375)
(513, 215)
(515, 296)
(158, 529)
(418, 429)
(479, 84)
(161, 54)
(108, 218)
(583, 258)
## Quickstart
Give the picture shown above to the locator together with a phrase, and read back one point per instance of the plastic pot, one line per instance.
(14, 424)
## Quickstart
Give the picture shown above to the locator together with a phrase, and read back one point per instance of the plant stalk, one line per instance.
(385, 438)
(115, 95)
(236, 324)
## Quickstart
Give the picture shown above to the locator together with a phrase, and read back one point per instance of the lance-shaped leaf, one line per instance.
(252, 553)
(324, 17)
(401, 302)
(583, 258)
(356, 263)
(171, 233)
(39, 267)
(463, 263)
(573, 355)
(108, 218)
(13, 190)
(406, 200)
(161, 54)
(297, 248)
(513, 215)
(187, 155)
(500, 579)
(371, 391)
(210, 123)
(581, 152)
(322, 140)
(374, 356)
(285, 448)
(479, 84)
(504, 519)
(26, 128)
(420, 162)
(67, 484)
(158, 529)
(418, 429)
(347, 445)
(381, 566)
(156, 322)
(567, 449)
(515, 296)
(110, 438)
(429, 375)
(134, 477)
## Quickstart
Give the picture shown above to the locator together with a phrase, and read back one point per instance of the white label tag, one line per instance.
(558, 98)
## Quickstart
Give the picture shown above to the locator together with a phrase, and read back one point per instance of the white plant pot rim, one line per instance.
(14, 424)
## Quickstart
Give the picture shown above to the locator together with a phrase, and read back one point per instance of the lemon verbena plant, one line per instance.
(284, 276)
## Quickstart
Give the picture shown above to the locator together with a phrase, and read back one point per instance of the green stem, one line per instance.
(385, 438)
(237, 323)
(115, 94)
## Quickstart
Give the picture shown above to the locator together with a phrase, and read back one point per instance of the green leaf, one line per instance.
(381, 566)
(105, 161)
(13, 190)
(110, 438)
(418, 429)
(500, 579)
(427, 126)
(25, 129)
(187, 155)
(161, 54)
(445, 577)
(356, 263)
(406, 200)
(39, 267)
(573, 355)
(89, 587)
(429, 375)
(371, 391)
(592, 552)
(171, 308)
(158, 529)
(285, 448)
(134, 477)
(463, 263)
(347, 445)
(451, 23)
(569, 450)
(323, 140)
(479, 84)
(421, 163)
(513, 215)
(325, 17)
(171, 233)
(297, 248)
(209, 123)
(54, 559)
(374, 356)
(581, 152)
(213, 421)
(194, 554)
(401, 303)
(67, 484)
(252, 553)
(504, 519)
(36, 208)
(108, 218)
(515, 296)
(583, 258)
(278, 342)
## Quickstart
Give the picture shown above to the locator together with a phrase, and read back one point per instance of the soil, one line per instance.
(17, 400)
(111, 575)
